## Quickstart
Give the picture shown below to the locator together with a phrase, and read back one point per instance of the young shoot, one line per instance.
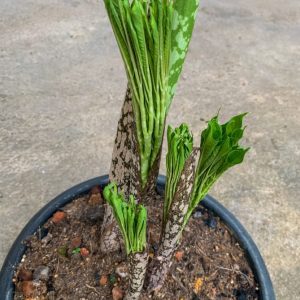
(131, 218)
(180, 146)
(219, 151)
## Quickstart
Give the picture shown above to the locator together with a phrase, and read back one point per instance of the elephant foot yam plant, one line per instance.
(153, 38)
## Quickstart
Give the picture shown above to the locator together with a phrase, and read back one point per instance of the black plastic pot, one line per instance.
(18, 248)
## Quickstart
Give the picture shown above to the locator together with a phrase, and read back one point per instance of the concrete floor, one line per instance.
(62, 84)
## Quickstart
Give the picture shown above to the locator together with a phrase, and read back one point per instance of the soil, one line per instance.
(63, 261)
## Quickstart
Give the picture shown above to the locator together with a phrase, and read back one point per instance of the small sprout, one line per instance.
(131, 218)
(219, 151)
(76, 250)
(180, 146)
(112, 278)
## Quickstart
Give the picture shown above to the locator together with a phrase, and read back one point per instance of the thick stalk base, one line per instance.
(138, 265)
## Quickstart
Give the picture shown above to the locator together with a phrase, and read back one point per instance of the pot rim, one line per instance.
(18, 248)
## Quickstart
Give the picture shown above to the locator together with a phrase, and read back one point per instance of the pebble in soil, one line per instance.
(41, 273)
(197, 214)
(122, 270)
(211, 222)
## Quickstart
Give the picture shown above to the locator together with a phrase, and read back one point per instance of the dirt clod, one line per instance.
(103, 280)
(24, 275)
(84, 252)
(95, 197)
(211, 222)
(41, 273)
(28, 288)
(58, 217)
(93, 214)
(179, 255)
(117, 293)
(76, 242)
(122, 270)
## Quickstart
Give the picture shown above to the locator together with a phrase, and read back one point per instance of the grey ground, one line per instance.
(61, 88)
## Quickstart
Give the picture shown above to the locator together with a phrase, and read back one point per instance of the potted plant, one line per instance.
(153, 37)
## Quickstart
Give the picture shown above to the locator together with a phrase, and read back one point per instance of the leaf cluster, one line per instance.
(131, 218)
(153, 38)
(219, 151)
(143, 32)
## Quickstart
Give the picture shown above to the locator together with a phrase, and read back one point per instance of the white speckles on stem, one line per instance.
(124, 171)
(138, 265)
(174, 225)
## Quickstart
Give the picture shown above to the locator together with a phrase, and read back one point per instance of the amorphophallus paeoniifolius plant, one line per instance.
(153, 37)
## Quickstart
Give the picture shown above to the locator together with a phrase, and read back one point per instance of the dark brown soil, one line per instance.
(63, 260)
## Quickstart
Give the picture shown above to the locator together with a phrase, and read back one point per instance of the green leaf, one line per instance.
(219, 151)
(76, 250)
(112, 278)
(234, 123)
(210, 139)
(182, 28)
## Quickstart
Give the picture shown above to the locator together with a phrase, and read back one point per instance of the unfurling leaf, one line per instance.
(153, 38)
(219, 151)
(180, 146)
(131, 218)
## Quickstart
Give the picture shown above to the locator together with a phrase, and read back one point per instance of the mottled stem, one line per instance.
(174, 225)
(138, 265)
(124, 171)
(110, 233)
(125, 164)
